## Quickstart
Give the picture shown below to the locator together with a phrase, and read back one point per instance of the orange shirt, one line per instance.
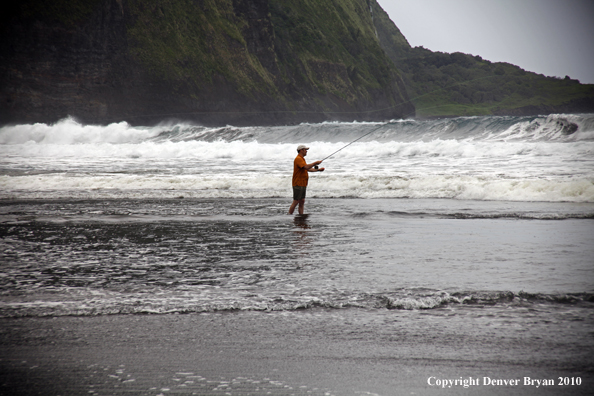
(300, 174)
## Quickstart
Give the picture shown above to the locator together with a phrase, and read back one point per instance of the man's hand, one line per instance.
(313, 165)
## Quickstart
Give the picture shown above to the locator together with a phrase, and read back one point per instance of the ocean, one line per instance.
(473, 232)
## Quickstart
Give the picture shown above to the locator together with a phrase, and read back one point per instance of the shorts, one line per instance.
(299, 193)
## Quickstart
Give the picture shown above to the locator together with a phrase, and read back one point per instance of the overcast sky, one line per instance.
(550, 37)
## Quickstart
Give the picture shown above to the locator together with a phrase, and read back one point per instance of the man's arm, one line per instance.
(308, 167)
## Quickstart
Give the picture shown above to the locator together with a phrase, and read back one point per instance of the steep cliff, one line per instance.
(209, 61)
(442, 84)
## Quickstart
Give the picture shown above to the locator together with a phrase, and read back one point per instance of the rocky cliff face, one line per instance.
(212, 62)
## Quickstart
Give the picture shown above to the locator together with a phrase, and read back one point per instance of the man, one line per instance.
(300, 177)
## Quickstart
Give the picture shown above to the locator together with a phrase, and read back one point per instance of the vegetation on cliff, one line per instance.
(332, 45)
(306, 56)
(186, 42)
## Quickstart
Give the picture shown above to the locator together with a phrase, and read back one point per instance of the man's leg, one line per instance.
(293, 205)
(301, 205)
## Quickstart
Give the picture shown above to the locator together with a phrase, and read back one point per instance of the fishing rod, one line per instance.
(359, 138)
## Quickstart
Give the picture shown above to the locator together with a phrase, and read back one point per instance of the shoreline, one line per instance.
(317, 352)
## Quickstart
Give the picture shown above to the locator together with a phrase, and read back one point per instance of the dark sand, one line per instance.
(345, 352)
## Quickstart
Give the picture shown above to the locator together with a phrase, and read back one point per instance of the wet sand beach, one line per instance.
(295, 353)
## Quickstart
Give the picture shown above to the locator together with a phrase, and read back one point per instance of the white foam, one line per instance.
(260, 186)
(218, 150)
(554, 127)
(69, 131)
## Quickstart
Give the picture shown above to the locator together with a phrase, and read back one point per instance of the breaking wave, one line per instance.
(554, 127)
(141, 304)
(478, 158)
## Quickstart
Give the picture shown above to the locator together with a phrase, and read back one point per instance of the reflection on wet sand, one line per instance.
(301, 221)
(303, 240)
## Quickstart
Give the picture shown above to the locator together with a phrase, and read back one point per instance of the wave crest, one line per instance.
(400, 300)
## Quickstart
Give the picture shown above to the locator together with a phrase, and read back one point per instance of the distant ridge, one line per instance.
(442, 84)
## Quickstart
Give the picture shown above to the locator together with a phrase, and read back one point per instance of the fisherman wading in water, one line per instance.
(300, 177)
